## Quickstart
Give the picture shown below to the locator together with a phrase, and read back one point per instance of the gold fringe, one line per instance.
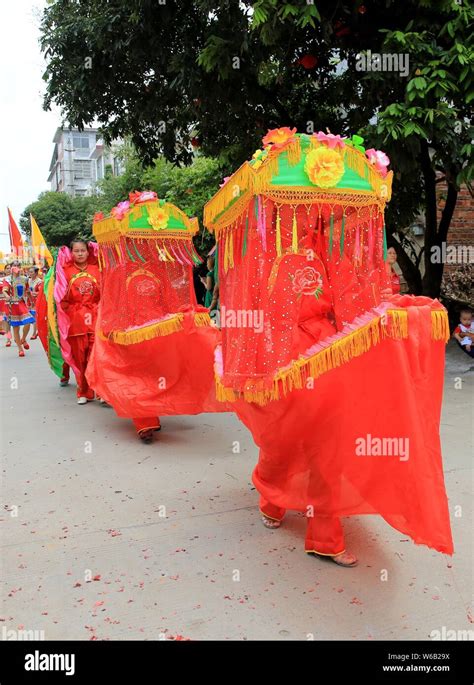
(294, 234)
(440, 325)
(293, 151)
(398, 322)
(224, 196)
(278, 233)
(261, 178)
(171, 325)
(202, 319)
(356, 160)
(161, 328)
(231, 250)
(394, 325)
(226, 252)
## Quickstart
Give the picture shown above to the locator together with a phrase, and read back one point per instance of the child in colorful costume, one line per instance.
(301, 242)
(15, 291)
(154, 350)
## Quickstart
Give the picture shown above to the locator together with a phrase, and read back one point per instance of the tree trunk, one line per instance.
(410, 271)
(433, 271)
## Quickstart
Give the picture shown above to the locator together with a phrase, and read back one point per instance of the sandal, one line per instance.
(146, 436)
(345, 559)
(270, 523)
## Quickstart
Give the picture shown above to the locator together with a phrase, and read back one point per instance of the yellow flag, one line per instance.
(40, 249)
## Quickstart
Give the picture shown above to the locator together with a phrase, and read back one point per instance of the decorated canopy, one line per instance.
(301, 240)
(146, 252)
(154, 345)
(318, 356)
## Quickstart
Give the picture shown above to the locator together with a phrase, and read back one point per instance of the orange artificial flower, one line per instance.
(279, 137)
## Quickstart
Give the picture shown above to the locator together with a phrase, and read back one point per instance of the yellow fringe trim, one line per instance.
(278, 233)
(202, 319)
(261, 178)
(293, 151)
(440, 325)
(155, 330)
(394, 324)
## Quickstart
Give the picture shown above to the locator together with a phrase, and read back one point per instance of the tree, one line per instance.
(60, 217)
(218, 74)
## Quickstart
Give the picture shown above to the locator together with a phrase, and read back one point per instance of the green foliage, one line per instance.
(60, 217)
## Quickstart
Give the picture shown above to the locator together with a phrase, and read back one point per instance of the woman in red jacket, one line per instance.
(80, 305)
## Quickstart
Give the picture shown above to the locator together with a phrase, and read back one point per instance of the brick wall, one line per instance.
(461, 231)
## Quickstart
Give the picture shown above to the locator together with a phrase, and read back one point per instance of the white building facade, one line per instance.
(80, 159)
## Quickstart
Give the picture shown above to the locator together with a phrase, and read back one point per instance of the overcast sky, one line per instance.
(27, 131)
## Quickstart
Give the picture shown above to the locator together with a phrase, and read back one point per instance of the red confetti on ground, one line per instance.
(354, 600)
(97, 577)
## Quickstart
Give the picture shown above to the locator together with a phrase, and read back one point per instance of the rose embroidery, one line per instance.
(307, 281)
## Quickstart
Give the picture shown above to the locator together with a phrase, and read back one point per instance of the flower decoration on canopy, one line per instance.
(259, 156)
(224, 181)
(356, 142)
(329, 139)
(98, 216)
(158, 217)
(324, 167)
(120, 210)
(379, 159)
(278, 138)
(307, 281)
(137, 197)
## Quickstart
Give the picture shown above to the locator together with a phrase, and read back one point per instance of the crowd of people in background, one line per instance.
(19, 288)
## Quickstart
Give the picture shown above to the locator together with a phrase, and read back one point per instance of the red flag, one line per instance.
(16, 241)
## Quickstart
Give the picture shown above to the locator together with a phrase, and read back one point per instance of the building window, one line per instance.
(81, 142)
(116, 166)
(82, 168)
(80, 192)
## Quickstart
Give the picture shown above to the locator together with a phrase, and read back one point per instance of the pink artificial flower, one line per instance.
(379, 159)
(329, 139)
(120, 210)
(224, 181)
(147, 195)
(98, 216)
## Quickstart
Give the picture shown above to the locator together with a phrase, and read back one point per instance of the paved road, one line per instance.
(89, 501)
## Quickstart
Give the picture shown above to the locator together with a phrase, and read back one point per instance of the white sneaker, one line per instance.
(82, 400)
